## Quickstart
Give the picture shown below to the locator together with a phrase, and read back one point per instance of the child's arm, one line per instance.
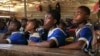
(47, 44)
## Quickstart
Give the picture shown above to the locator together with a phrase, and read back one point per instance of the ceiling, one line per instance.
(17, 6)
(13, 5)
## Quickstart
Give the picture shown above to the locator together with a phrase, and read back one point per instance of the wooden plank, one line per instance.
(15, 50)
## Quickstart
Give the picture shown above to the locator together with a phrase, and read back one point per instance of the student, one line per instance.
(23, 24)
(83, 32)
(56, 36)
(31, 27)
(3, 28)
(44, 33)
(62, 25)
(96, 38)
(15, 36)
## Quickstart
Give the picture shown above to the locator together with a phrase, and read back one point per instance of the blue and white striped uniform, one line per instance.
(58, 35)
(17, 38)
(85, 34)
(35, 37)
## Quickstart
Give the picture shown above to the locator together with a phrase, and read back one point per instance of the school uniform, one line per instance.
(17, 38)
(58, 35)
(85, 34)
(35, 37)
(43, 33)
(4, 30)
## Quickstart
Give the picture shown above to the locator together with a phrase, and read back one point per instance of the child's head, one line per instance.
(62, 25)
(2, 25)
(14, 26)
(97, 29)
(32, 25)
(24, 22)
(51, 19)
(81, 15)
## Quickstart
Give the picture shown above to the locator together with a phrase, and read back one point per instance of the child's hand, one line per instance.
(31, 43)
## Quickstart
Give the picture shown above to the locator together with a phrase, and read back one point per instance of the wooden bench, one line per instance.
(17, 50)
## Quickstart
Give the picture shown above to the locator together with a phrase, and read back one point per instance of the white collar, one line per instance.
(35, 35)
(51, 31)
(16, 32)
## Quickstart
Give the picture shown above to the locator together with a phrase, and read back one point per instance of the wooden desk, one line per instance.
(15, 50)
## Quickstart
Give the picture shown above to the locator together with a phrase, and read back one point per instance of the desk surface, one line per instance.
(17, 50)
